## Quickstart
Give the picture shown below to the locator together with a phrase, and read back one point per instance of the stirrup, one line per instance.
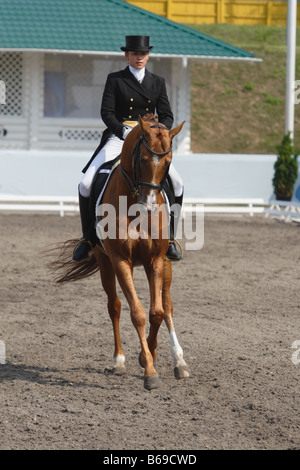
(180, 247)
(82, 240)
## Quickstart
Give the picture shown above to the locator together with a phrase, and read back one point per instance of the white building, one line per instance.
(54, 59)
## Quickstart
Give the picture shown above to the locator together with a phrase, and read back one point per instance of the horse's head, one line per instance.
(152, 157)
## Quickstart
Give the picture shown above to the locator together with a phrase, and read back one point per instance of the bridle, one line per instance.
(136, 183)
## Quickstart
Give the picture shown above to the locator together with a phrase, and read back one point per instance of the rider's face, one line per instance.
(138, 60)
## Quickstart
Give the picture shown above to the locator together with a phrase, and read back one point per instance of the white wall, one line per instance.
(57, 173)
(226, 176)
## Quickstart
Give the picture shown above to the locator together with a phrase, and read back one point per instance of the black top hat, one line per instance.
(137, 44)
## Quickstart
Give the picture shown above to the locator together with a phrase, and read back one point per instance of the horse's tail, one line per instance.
(67, 270)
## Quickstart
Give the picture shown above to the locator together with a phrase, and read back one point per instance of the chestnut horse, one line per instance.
(145, 158)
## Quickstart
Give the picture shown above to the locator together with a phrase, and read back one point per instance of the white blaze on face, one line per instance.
(151, 198)
(155, 160)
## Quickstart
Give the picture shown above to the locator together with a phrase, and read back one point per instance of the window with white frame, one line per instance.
(73, 85)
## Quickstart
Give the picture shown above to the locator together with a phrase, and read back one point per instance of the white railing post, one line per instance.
(60, 204)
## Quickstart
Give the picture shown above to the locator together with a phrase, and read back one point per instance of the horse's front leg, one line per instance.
(124, 273)
(155, 274)
(180, 366)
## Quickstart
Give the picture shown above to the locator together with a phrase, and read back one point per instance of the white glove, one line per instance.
(126, 131)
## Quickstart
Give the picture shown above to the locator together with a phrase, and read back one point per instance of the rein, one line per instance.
(135, 184)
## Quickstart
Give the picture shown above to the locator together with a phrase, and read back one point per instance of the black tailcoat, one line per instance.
(125, 99)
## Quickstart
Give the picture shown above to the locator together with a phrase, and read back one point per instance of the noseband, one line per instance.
(136, 183)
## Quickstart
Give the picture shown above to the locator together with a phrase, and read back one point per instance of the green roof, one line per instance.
(100, 26)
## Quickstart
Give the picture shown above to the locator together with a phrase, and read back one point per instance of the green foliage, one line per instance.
(248, 86)
(233, 99)
(286, 169)
(270, 99)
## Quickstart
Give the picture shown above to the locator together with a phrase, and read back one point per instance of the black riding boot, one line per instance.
(173, 254)
(85, 245)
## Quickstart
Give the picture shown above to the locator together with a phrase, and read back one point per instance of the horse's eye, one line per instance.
(144, 158)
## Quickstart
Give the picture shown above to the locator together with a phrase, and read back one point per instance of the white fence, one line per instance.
(70, 204)
(43, 204)
(39, 203)
(284, 210)
(224, 205)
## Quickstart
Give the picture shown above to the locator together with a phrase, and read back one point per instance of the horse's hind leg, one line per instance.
(180, 366)
(108, 280)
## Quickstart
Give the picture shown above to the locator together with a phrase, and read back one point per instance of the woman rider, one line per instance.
(127, 94)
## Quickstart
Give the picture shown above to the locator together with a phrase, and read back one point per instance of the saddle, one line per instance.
(99, 184)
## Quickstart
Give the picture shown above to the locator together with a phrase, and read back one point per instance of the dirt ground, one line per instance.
(236, 311)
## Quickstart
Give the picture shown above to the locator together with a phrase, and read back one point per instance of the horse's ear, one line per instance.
(145, 126)
(175, 131)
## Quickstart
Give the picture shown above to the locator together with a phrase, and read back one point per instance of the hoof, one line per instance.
(151, 382)
(119, 370)
(115, 371)
(181, 372)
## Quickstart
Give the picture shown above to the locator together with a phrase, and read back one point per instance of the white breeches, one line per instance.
(111, 150)
(176, 181)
